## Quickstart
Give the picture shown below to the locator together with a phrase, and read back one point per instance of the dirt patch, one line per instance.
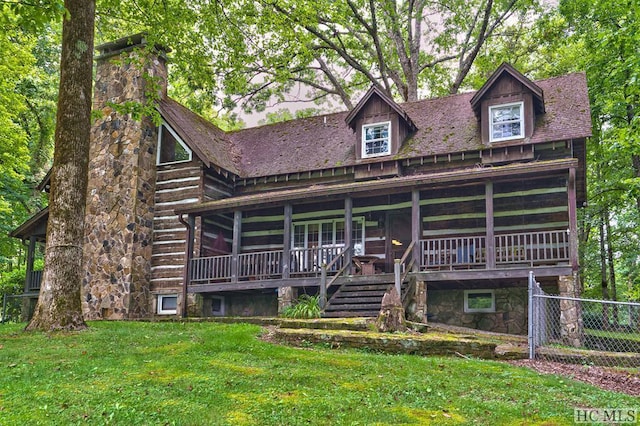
(604, 378)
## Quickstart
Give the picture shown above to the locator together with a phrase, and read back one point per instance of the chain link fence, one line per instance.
(583, 331)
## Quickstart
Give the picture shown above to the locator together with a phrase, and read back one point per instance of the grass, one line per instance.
(127, 373)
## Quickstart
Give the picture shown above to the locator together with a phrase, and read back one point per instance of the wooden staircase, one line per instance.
(356, 299)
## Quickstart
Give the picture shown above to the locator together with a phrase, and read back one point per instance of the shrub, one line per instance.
(306, 307)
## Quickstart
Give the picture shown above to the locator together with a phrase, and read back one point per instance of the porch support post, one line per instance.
(235, 245)
(30, 258)
(573, 220)
(286, 243)
(415, 227)
(348, 231)
(490, 237)
(188, 255)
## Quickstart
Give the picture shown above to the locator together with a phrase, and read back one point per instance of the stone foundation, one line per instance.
(417, 309)
(510, 316)
(243, 305)
(286, 297)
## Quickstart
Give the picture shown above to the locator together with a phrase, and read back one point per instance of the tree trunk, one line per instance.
(391, 317)
(603, 273)
(59, 306)
(612, 270)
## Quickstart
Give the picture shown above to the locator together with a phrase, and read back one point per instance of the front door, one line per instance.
(398, 236)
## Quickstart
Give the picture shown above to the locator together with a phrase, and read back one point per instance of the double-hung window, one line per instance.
(506, 122)
(376, 139)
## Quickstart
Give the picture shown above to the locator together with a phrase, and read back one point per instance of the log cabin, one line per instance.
(453, 200)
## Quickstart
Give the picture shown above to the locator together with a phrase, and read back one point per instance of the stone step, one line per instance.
(350, 314)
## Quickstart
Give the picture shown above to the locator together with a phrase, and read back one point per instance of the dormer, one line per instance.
(507, 106)
(380, 125)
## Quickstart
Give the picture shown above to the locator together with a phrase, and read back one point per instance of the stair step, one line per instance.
(361, 306)
(345, 299)
(368, 287)
(350, 314)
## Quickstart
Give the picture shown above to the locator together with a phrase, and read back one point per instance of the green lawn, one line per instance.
(130, 373)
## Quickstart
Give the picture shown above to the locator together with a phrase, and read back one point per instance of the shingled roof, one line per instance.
(444, 125)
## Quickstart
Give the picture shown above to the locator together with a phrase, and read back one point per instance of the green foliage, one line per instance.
(306, 307)
(208, 373)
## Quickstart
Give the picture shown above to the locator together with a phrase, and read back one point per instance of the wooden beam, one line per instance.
(30, 257)
(391, 184)
(416, 225)
(190, 224)
(573, 219)
(348, 231)
(489, 227)
(286, 241)
(235, 245)
(495, 274)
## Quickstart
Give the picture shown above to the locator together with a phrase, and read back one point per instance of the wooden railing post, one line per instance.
(323, 286)
(397, 276)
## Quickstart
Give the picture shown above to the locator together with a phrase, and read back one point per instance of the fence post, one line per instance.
(531, 340)
(323, 286)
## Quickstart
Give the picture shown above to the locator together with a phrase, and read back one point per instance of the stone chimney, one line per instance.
(122, 176)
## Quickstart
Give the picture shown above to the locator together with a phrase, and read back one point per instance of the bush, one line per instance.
(306, 307)
(12, 283)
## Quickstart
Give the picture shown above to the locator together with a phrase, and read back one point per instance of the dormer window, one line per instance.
(376, 140)
(506, 121)
(171, 149)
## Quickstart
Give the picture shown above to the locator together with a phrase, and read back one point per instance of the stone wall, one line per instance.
(120, 197)
(510, 316)
(245, 305)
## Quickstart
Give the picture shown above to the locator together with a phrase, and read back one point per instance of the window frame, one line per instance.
(178, 139)
(219, 313)
(521, 121)
(490, 309)
(334, 239)
(365, 141)
(160, 310)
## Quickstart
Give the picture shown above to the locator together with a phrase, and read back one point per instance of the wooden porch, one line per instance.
(306, 267)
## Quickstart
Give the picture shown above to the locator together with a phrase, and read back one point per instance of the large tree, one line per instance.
(253, 53)
(59, 305)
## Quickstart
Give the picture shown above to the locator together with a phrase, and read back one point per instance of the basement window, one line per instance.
(167, 304)
(479, 301)
(171, 149)
(217, 306)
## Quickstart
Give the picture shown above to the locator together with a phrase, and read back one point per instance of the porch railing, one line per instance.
(214, 268)
(530, 249)
(309, 261)
(452, 253)
(526, 248)
(535, 248)
(35, 281)
(260, 265)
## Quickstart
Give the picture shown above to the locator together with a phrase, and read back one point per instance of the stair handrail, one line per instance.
(323, 275)
(407, 268)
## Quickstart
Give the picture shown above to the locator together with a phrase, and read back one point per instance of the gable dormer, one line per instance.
(507, 105)
(380, 125)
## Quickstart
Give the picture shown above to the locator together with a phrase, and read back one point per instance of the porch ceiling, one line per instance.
(314, 192)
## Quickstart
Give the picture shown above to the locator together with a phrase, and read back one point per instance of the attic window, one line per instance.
(507, 122)
(171, 149)
(376, 140)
